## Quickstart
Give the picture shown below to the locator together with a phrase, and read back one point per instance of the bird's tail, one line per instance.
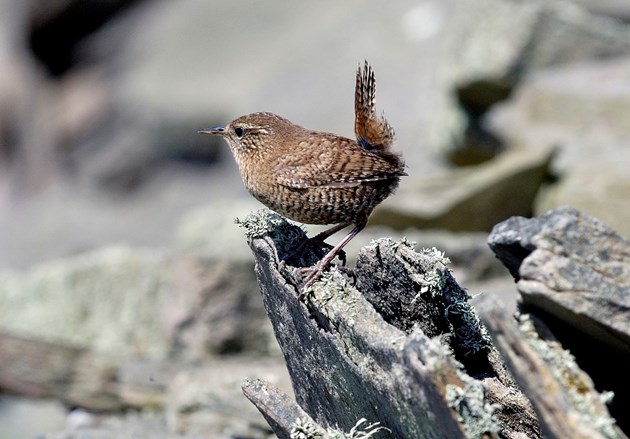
(373, 133)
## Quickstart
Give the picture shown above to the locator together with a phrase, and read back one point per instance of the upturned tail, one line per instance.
(373, 133)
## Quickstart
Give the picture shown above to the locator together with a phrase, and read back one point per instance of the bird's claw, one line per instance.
(312, 274)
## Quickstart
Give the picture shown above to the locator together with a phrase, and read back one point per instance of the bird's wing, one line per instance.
(327, 161)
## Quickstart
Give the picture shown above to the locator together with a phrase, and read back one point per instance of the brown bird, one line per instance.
(316, 177)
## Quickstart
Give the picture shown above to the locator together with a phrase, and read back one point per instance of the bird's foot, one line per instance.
(314, 273)
(311, 274)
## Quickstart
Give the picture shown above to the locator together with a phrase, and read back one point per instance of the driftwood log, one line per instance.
(398, 343)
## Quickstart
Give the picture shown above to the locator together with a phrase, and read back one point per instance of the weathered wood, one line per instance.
(347, 363)
(563, 396)
(280, 411)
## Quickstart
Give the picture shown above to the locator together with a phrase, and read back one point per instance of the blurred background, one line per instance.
(128, 303)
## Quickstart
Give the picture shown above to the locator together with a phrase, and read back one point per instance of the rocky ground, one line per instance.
(128, 299)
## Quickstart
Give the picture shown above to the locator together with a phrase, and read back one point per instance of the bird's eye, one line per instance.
(239, 131)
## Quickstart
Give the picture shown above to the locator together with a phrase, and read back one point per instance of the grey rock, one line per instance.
(94, 300)
(618, 9)
(581, 109)
(517, 40)
(151, 79)
(17, 413)
(33, 368)
(495, 41)
(128, 302)
(213, 309)
(207, 401)
(470, 199)
(600, 191)
(348, 363)
(573, 272)
(192, 401)
(594, 260)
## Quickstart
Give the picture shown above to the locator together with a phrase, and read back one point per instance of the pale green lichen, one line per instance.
(394, 245)
(578, 385)
(435, 280)
(473, 410)
(306, 429)
(331, 284)
(470, 333)
(266, 222)
(427, 267)
(431, 275)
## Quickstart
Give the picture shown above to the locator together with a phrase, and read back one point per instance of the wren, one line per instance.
(316, 177)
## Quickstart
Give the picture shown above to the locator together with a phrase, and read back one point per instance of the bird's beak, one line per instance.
(216, 131)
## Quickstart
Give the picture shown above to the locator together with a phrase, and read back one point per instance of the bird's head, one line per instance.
(251, 133)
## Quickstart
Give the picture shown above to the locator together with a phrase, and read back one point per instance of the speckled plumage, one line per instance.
(316, 177)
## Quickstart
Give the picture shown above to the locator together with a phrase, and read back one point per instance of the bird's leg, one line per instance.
(315, 272)
(328, 233)
(316, 240)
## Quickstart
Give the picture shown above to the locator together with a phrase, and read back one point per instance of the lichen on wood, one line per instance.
(425, 375)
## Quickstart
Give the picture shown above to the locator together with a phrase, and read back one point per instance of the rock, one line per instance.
(196, 401)
(617, 9)
(195, 398)
(123, 122)
(470, 199)
(596, 94)
(493, 42)
(348, 363)
(207, 401)
(128, 302)
(580, 255)
(580, 109)
(573, 272)
(17, 414)
(132, 424)
(517, 40)
(600, 191)
(94, 300)
(78, 377)
(213, 309)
